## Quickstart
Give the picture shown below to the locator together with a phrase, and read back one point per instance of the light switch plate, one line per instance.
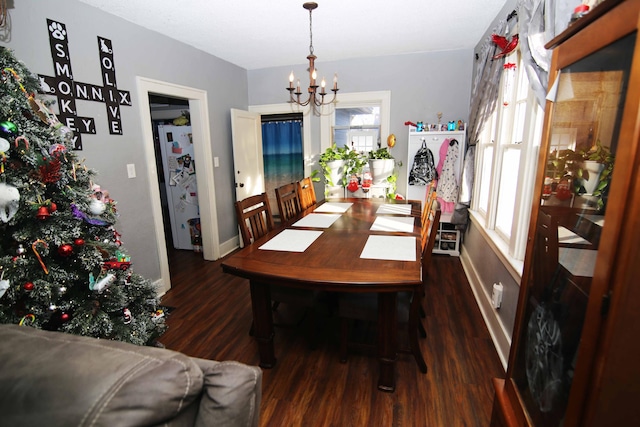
(131, 170)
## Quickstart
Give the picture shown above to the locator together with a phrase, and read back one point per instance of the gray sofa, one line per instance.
(58, 379)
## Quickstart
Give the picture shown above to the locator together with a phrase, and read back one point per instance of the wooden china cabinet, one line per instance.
(575, 352)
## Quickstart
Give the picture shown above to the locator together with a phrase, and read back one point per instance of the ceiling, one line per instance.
(257, 34)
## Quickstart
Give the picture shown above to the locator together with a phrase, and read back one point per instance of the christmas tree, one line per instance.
(62, 265)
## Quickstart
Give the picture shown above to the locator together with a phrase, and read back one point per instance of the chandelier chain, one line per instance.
(310, 32)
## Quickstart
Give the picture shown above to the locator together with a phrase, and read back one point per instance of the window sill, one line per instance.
(499, 247)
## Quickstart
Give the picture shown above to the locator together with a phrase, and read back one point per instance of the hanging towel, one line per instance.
(448, 181)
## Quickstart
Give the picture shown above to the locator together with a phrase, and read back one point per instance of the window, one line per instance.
(358, 121)
(506, 157)
(358, 128)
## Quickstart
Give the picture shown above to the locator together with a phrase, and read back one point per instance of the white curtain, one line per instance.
(539, 21)
(486, 79)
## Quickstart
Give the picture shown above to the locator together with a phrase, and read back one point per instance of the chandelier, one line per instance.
(315, 98)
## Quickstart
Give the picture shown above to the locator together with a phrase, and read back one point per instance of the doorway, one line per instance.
(199, 114)
(176, 172)
(282, 152)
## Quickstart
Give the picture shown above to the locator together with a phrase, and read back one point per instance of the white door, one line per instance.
(246, 132)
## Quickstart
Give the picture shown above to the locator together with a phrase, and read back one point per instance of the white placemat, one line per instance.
(317, 220)
(394, 209)
(394, 248)
(292, 240)
(333, 207)
(402, 224)
(579, 262)
(567, 236)
(596, 219)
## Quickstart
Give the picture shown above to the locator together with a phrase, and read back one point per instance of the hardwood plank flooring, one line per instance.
(211, 316)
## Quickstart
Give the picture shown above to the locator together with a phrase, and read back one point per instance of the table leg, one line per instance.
(387, 339)
(263, 323)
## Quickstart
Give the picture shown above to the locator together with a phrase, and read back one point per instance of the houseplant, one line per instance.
(589, 169)
(381, 164)
(339, 163)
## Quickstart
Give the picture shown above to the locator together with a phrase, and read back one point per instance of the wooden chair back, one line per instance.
(306, 193)
(254, 217)
(429, 235)
(429, 197)
(288, 201)
(546, 251)
(428, 215)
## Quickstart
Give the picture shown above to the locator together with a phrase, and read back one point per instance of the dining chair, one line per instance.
(306, 193)
(255, 220)
(546, 248)
(364, 306)
(288, 201)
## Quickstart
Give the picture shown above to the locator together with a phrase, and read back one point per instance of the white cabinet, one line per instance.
(437, 141)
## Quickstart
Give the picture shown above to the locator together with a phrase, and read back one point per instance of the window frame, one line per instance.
(498, 134)
(380, 99)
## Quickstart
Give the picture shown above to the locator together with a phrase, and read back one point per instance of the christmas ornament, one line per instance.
(4, 285)
(353, 186)
(28, 286)
(97, 207)
(78, 242)
(4, 145)
(8, 128)
(127, 316)
(83, 216)
(27, 320)
(9, 201)
(43, 213)
(57, 149)
(157, 316)
(62, 289)
(65, 250)
(21, 250)
(50, 171)
(101, 284)
(35, 251)
(26, 142)
(65, 317)
(53, 207)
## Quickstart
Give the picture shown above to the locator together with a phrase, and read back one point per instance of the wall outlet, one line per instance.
(496, 295)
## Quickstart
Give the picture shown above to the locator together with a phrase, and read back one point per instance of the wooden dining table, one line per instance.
(341, 245)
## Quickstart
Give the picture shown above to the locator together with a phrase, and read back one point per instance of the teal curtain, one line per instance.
(282, 150)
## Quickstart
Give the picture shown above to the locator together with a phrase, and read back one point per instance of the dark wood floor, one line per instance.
(211, 317)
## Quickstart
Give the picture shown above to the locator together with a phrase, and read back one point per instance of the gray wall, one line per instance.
(137, 52)
(487, 267)
(421, 85)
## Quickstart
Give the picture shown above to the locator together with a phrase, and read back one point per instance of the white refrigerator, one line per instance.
(176, 147)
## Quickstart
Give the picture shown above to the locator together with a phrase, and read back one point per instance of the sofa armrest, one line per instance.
(232, 394)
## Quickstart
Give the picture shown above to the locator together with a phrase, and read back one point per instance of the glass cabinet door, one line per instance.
(581, 147)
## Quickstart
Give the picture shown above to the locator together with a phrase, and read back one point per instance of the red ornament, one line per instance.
(65, 250)
(353, 186)
(78, 242)
(65, 317)
(53, 207)
(43, 213)
(28, 286)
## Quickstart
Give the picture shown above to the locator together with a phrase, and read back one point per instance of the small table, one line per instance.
(333, 262)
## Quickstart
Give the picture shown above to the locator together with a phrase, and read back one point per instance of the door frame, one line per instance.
(200, 129)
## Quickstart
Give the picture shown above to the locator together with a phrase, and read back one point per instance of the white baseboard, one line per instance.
(499, 335)
(229, 246)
